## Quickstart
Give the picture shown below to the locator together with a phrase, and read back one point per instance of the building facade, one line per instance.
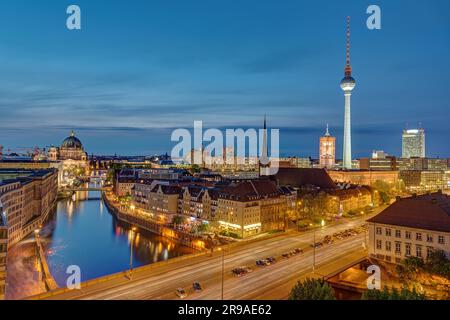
(327, 150)
(424, 180)
(413, 143)
(27, 201)
(364, 177)
(411, 227)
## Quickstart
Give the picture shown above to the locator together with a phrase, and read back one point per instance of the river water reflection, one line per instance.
(82, 232)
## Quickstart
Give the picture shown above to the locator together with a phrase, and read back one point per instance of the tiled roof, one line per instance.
(427, 212)
(251, 190)
(167, 189)
(303, 177)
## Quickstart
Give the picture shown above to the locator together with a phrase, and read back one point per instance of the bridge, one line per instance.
(85, 189)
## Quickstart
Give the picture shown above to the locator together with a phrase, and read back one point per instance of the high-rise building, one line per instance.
(327, 150)
(347, 85)
(413, 143)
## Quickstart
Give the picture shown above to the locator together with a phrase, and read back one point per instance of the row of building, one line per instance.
(244, 206)
(26, 200)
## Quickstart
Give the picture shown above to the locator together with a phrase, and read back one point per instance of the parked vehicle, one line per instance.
(181, 293)
(197, 287)
(260, 263)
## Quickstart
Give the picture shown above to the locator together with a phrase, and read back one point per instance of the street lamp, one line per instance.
(133, 230)
(314, 247)
(299, 203)
(36, 237)
(223, 268)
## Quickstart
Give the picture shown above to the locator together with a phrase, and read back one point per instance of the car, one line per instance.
(197, 287)
(286, 255)
(271, 260)
(260, 263)
(299, 251)
(239, 272)
(181, 293)
(246, 269)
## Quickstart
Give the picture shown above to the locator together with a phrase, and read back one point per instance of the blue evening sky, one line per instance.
(139, 68)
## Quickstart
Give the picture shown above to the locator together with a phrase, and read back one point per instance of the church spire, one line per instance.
(327, 133)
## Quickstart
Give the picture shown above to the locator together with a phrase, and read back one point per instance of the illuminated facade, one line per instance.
(327, 151)
(413, 143)
(27, 200)
(252, 207)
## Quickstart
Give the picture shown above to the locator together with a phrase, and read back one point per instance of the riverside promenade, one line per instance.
(143, 220)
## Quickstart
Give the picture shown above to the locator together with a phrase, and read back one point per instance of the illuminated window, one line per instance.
(379, 244)
(388, 246)
(388, 232)
(407, 249)
(419, 251)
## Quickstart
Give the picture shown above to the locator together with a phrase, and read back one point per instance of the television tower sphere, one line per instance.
(348, 83)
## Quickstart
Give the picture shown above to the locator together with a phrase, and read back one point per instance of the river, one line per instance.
(82, 232)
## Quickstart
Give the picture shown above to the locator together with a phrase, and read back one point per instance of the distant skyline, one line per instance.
(139, 69)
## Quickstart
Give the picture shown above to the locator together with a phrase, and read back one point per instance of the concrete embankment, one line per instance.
(48, 278)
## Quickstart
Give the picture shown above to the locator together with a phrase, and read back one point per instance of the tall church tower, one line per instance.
(264, 160)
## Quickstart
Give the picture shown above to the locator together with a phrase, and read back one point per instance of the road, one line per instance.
(271, 282)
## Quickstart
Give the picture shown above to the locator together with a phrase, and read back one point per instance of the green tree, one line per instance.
(203, 227)
(437, 263)
(393, 294)
(312, 289)
(316, 206)
(177, 220)
(195, 168)
(409, 268)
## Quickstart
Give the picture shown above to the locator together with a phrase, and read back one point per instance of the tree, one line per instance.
(203, 227)
(409, 268)
(312, 289)
(177, 220)
(437, 263)
(393, 294)
(315, 206)
(195, 168)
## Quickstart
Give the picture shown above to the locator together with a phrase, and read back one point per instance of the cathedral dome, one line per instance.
(72, 142)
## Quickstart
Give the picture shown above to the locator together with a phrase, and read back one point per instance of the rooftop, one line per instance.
(427, 212)
(302, 177)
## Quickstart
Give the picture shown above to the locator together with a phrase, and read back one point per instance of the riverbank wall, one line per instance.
(183, 238)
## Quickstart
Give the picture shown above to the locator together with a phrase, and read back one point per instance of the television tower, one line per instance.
(347, 85)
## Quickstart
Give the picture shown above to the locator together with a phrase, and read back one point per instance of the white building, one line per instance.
(413, 143)
(411, 226)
